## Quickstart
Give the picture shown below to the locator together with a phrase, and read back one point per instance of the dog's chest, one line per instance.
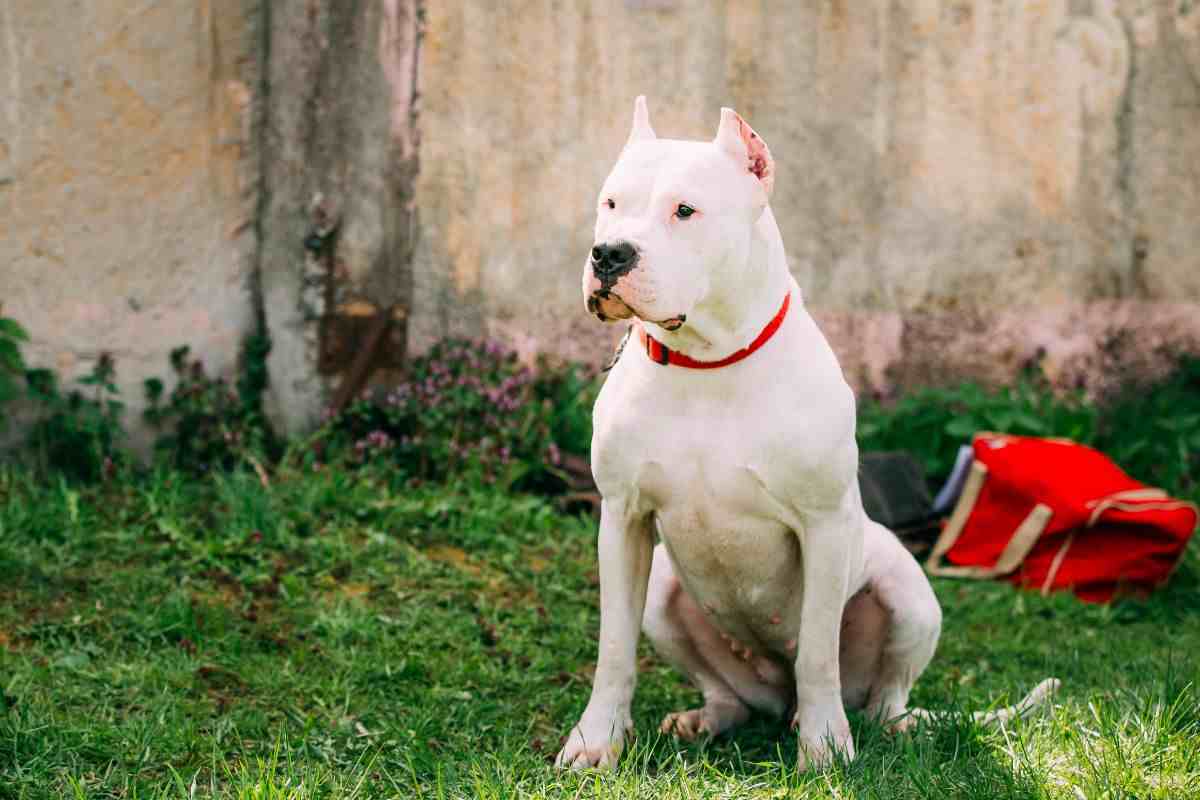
(734, 555)
(729, 465)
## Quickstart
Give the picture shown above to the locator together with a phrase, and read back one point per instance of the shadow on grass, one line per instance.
(953, 758)
(950, 758)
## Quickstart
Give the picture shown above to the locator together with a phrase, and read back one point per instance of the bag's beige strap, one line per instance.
(1026, 536)
(1100, 505)
(1052, 573)
(1168, 504)
(958, 518)
(1116, 501)
(1022, 541)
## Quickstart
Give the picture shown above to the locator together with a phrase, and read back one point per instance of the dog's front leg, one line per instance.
(625, 548)
(830, 544)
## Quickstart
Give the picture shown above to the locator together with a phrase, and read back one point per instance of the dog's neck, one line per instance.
(730, 317)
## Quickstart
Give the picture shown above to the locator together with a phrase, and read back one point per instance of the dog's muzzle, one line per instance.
(611, 261)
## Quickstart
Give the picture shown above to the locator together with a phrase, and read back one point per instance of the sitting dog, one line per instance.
(726, 431)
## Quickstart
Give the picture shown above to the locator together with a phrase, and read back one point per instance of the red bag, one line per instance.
(1054, 514)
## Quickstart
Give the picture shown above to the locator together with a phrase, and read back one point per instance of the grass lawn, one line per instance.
(332, 636)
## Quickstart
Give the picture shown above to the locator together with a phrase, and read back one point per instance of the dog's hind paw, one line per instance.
(712, 720)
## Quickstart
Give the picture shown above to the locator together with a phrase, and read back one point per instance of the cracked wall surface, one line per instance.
(127, 181)
(340, 149)
(962, 184)
(163, 163)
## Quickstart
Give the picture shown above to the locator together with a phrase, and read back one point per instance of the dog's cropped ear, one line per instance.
(740, 141)
(641, 122)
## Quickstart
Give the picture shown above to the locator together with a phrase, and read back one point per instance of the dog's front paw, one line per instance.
(597, 741)
(820, 737)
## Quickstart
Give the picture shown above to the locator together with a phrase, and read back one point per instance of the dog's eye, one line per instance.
(609, 202)
(684, 211)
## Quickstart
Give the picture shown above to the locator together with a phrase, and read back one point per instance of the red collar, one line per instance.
(664, 355)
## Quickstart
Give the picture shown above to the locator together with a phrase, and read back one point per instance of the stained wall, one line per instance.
(962, 184)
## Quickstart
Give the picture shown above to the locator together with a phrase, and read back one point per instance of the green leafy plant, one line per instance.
(568, 391)
(12, 363)
(78, 433)
(934, 422)
(205, 422)
(470, 409)
(1150, 429)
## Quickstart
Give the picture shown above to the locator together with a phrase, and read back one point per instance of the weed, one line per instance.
(78, 434)
(12, 363)
(469, 409)
(207, 424)
(1152, 430)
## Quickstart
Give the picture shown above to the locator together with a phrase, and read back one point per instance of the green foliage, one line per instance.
(934, 422)
(78, 434)
(206, 423)
(570, 391)
(12, 363)
(357, 633)
(469, 409)
(1153, 429)
(1150, 430)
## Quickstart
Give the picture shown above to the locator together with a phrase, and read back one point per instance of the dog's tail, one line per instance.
(1040, 694)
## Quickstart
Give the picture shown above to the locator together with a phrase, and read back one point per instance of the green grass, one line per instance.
(334, 636)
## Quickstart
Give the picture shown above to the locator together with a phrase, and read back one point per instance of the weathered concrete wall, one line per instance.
(127, 180)
(337, 224)
(962, 183)
(163, 164)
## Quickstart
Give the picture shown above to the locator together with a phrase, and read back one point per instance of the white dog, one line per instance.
(726, 429)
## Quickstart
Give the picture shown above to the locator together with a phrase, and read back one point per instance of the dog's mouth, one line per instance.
(607, 305)
(673, 323)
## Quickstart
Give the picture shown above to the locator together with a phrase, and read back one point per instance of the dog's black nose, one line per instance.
(613, 260)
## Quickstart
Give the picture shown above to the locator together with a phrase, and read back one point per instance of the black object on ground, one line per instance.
(895, 494)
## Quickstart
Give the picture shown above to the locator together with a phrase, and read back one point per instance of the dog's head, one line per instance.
(675, 220)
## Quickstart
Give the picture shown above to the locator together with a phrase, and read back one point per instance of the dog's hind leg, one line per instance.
(913, 626)
(682, 635)
(914, 621)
